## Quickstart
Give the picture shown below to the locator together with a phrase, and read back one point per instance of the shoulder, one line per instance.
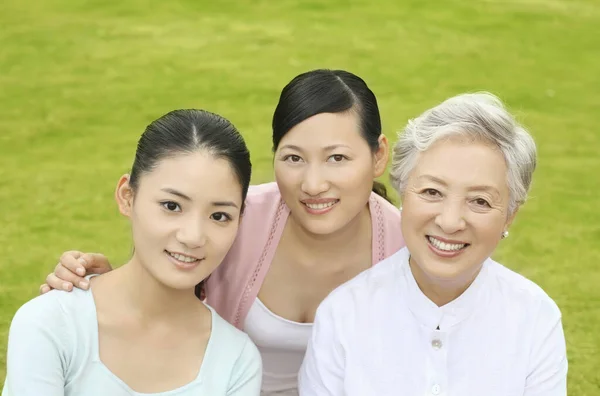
(386, 227)
(517, 290)
(388, 210)
(52, 308)
(231, 340)
(262, 194)
(235, 359)
(375, 283)
(260, 222)
(261, 207)
(53, 320)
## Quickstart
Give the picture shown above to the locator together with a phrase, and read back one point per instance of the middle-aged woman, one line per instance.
(440, 317)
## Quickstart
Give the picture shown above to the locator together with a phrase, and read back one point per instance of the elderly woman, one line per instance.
(440, 317)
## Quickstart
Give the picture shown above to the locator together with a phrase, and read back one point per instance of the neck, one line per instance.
(148, 298)
(352, 235)
(442, 291)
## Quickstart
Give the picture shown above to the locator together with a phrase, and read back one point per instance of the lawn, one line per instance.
(79, 81)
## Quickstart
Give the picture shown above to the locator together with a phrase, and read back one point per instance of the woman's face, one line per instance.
(324, 169)
(455, 208)
(184, 216)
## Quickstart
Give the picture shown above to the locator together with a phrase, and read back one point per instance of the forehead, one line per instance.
(324, 129)
(464, 163)
(199, 175)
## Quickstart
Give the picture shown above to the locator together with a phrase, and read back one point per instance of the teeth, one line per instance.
(449, 247)
(183, 258)
(321, 205)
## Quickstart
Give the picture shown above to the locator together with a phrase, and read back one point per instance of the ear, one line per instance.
(124, 196)
(381, 156)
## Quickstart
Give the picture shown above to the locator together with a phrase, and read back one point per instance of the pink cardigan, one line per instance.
(233, 287)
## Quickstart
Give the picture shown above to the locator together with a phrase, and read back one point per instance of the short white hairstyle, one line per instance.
(480, 116)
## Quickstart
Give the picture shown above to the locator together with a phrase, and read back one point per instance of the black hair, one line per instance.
(329, 91)
(185, 132)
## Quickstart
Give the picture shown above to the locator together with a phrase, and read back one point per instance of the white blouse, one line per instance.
(282, 345)
(378, 335)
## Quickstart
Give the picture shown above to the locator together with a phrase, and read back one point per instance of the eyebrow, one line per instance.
(326, 148)
(473, 188)
(225, 203)
(336, 146)
(490, 189)
(177, 193)
(433, 179)
(183, 196)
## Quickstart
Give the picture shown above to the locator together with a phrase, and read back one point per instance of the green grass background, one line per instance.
(79, 81)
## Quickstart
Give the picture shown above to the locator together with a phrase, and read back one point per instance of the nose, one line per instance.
(314, 181)
(192, 233)
(451, 217)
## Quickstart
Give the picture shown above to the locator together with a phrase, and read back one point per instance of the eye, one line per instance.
(337, 158)
(221, 217)
(292, 158)
(482, 202)
(171, 206)
(431, 192)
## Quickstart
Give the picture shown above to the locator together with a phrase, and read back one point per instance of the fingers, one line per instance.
(95, 263)
(66, 275)
(68, 272)
(54, 282)
(71, 260)
(44, 288)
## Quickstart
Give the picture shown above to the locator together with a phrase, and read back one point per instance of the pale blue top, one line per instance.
(53, 351)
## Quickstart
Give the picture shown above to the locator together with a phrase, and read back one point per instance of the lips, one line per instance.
(319, 206)
(183, 261)
(182, 257)
(446, 246)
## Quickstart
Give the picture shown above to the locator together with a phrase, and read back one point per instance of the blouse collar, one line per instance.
(427, 312)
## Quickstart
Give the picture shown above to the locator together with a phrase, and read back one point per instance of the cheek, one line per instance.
(222, 239)
(356, 177)
(415, 211)
(148, 223)
(286, 177)
(489, 227)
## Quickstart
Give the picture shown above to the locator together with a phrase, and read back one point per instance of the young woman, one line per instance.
(140, 330)
(317, 227)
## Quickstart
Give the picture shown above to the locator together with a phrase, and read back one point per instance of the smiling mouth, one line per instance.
(183, 258)
(446, 247)
(320, 206)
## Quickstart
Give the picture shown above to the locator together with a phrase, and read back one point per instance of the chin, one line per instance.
(442, 273)
(320, 228)
(181, 281)
(448, 271)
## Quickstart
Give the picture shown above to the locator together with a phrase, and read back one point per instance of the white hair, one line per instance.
(480, 116)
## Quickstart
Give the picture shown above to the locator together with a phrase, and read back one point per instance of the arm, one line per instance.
(548, 360)
(322, 371)
(35, 361)
(246, 378)
(72, 268)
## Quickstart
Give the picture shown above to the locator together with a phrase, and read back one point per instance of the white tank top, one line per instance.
(282, 344)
